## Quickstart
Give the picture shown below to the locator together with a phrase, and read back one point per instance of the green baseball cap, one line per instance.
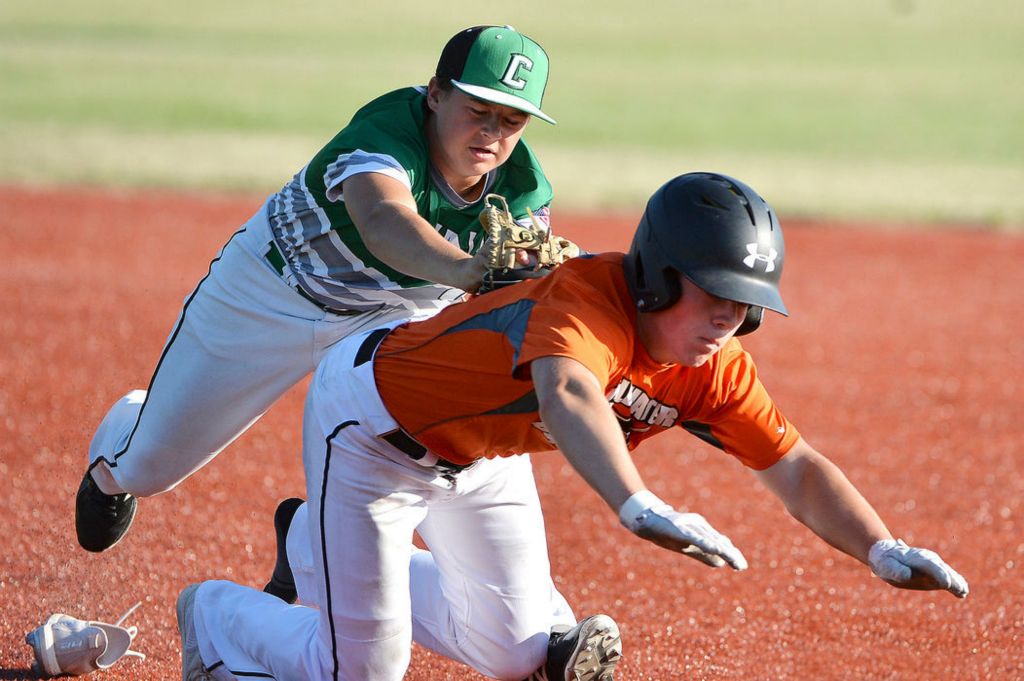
(497, 64)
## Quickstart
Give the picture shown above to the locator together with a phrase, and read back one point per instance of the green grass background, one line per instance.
(888, 109)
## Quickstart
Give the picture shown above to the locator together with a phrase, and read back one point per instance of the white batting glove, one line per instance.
(650, 518)
(906, 567)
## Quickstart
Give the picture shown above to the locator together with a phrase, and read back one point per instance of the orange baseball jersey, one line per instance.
(460, 381)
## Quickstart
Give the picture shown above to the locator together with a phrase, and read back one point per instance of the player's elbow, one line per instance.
(560, 407)
(374, 228)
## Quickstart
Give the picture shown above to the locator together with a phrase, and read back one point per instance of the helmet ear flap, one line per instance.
(673, 289)
(654, 284)
(755, 313)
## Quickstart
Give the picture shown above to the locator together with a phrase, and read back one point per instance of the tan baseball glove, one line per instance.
(508, 238)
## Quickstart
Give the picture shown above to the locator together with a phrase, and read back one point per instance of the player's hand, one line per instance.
(490, 279)
(906, 567)
(650, 518)
(474, 269)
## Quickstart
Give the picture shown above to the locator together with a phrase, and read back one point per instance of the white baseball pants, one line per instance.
(482, 595)
(244, 336)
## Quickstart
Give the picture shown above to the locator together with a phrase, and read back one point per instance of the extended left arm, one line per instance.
(820, 496)
(576, 412)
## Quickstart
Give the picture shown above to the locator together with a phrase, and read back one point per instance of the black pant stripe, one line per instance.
(167, 347)
(253, 675)
(323, 542)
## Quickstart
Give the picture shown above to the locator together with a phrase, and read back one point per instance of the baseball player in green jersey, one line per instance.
(381, 225)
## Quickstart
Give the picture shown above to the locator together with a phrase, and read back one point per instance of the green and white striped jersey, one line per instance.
(321, 246)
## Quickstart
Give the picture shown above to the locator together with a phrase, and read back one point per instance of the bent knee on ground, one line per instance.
(504, 658)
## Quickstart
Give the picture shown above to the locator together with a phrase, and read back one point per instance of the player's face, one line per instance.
(691, 331)
(470, 137)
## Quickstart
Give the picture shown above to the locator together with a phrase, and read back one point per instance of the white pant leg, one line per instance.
(483, 594)
(243, 338)
(496, 602)
(488, 600)
(261, 628)
(300, 557)
(360, 628)
(359, 520)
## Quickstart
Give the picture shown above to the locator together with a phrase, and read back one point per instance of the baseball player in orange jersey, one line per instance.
(418, 427)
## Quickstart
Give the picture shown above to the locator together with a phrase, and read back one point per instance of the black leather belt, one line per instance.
(398, 438)
(403, 442)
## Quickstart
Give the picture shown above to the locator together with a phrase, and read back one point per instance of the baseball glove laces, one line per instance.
(509, 240)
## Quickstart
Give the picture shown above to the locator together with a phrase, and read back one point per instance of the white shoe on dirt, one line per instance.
(66, 645)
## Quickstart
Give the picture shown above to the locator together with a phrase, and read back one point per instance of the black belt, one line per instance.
(277, 261)
(403, 442)
(398, 438)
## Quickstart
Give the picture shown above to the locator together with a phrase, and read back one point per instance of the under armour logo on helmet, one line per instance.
(755, 256)
(519, 62)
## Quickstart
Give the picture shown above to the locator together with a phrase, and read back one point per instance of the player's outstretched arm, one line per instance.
(820, 496)
(578, 417)
(386, 216)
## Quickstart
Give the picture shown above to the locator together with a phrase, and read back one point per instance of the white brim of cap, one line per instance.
(503, 98)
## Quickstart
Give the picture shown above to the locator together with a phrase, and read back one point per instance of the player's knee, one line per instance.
(366, 648)
(122, 457)
(147, 488)
(115, 429)
(146, 471)
(516, 660)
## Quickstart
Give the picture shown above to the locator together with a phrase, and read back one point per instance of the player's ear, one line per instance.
(435, 93)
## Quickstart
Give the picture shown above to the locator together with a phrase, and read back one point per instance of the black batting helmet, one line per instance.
(719, 234)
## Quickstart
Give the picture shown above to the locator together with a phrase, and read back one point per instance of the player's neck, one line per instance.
(472, 188)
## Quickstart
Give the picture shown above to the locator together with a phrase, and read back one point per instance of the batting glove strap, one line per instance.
(907, 567)
(650, 518)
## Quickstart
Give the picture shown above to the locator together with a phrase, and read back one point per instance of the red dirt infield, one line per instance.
(901, 361)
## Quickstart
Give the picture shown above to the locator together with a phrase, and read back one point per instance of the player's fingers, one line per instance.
(959, 588)
(660, 528)
(923, 562)
(652, 519)
(733, 556)
(710, 541)
(526, 258)
(892, 570)
(725, 552)
(711, 559)
(912, 568)
(930, 565)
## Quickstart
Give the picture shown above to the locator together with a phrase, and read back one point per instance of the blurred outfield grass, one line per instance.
(884, 109)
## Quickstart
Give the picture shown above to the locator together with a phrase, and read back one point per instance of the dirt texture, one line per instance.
(902, 361)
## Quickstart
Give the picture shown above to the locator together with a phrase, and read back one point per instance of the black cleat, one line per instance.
(587, 652)
(282, 582)
(101, 520)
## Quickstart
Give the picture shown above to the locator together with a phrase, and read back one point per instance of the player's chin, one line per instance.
(696, 359)
(479, 163)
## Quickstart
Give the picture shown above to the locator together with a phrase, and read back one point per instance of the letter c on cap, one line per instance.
(516, 63)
